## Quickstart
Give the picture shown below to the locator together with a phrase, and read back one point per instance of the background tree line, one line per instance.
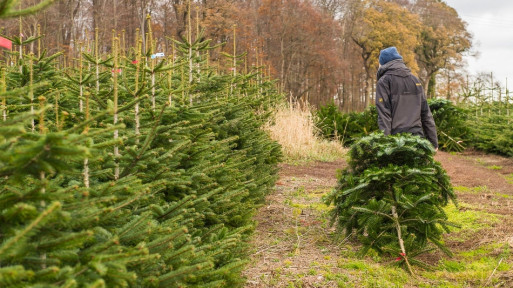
(319, 50)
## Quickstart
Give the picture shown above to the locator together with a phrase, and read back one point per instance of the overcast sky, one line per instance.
(491, 23)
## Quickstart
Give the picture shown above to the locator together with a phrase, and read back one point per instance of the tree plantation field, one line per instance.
(294, 245)
(179, 149)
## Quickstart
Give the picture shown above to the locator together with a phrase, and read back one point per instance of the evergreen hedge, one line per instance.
(492, 133)
(453, 131)
(95, 194)
(452, 128)
(345, 127)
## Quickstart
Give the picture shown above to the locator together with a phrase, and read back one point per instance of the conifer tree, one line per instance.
(392, 197)
(170, 207)
(9, 8)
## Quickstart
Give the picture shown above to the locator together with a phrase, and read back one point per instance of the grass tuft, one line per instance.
(295, 131)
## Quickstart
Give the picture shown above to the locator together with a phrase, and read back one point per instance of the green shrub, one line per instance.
(492, 134)
(328, 119)
(393, 187)
(453, 131)
(346, 128)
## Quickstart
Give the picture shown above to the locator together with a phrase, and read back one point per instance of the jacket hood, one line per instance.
(394, 67)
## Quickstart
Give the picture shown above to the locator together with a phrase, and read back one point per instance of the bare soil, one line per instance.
(294, 242)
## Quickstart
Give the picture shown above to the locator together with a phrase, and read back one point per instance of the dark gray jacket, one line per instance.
(402, 104)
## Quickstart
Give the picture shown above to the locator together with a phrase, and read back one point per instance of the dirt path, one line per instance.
(292, 236)
(492, 176)
(294, 245)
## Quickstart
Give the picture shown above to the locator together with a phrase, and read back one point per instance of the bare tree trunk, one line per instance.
(181, 17)
(282, 71)
(431, 86)
(367, 92)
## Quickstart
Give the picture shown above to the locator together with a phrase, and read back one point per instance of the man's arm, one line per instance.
(428, 123)
(383, 106)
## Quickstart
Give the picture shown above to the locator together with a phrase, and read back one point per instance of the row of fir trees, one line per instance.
(131, 168)
(452, 124)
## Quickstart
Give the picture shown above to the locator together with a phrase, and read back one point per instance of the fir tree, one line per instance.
(392, 197)
(122, 180)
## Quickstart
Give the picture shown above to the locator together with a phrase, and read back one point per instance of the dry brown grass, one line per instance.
(295, 131)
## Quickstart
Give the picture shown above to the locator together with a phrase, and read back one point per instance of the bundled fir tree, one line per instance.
(391, 197)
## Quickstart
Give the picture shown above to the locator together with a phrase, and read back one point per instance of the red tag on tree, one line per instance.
(5, 43)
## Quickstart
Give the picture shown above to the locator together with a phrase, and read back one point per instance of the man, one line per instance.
(400, 99)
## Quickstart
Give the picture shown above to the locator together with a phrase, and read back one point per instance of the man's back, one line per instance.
(401, 103)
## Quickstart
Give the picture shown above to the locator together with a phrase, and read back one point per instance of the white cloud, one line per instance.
(480, 6)
(492, 26)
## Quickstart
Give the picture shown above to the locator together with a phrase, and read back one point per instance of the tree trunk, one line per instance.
(431, 86)
(368, 84)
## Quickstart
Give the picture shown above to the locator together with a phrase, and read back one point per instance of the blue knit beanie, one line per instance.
(388, 54)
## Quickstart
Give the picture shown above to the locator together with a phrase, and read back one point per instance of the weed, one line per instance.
(319, 192)
(472, 190)
(355, 265)
(299, 191)
(452, 266)
(298, 206)
(484, 250)
(276, 241)
(509, 178)
(469, 218)
(470, 221)
(494, 167)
